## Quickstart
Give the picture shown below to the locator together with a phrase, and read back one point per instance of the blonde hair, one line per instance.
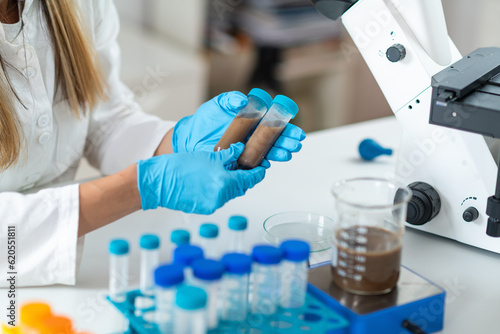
(78, 75)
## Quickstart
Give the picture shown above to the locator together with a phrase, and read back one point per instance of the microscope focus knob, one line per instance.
(396, 53)
(424, 204)
(470, 214)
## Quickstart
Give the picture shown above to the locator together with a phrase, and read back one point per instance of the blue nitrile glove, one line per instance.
(198, 182)
(287, 143)
(202, 131)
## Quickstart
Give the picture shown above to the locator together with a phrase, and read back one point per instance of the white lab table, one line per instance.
(469, 275)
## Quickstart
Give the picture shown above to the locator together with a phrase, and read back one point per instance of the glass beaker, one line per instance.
(368, 234)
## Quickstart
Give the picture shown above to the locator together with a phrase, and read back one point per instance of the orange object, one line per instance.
(10, 330)
(33, 313)
(56, 325)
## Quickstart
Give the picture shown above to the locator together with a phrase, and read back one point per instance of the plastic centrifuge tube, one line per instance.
(266, 274)
(118, 269)
(185, 255)
(294, 273)
(237, 226)
(207, 275)
(150, 258)
(246, 120)
(167, 279)
(235, 286)
(180, 237)
(190, 311)
(208, 234)
(270, 128)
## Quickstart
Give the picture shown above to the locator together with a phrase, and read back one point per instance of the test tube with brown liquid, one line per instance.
(269, 129)
(246, 120)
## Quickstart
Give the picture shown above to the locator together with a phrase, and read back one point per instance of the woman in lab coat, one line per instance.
(61, 99)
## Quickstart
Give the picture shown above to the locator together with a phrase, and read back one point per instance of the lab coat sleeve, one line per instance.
(46, 232)
(120, 133)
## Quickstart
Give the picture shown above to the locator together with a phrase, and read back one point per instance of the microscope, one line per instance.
(445, 103)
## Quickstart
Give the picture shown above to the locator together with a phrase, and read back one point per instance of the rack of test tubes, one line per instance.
(269, 290)
(265, 291)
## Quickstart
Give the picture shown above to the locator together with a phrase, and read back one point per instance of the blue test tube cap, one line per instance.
(209, 230)
(288, 103)
(369, 149)
(190, 298)
(118, 247)
(169, 275)
(263, 95)
(180, 237)
(265, 254)
(237, 223)
(187, 254)
(149, 241)
(208, 270)
(237, 263)
(295, 250)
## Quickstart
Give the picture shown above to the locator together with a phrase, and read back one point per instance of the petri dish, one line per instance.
(314, 228)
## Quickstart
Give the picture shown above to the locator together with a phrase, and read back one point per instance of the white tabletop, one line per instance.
(469, 275)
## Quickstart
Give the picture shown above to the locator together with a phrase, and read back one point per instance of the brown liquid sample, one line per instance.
(260, 143)
(238, 130)
(373, 271)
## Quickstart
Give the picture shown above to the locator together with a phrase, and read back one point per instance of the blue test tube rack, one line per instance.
(326, 314)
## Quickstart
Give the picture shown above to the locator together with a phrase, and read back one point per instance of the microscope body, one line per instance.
(405, 43)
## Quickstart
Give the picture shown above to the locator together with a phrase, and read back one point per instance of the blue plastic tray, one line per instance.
(315, 318)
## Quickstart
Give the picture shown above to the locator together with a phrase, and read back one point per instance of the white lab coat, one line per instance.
(111, 137)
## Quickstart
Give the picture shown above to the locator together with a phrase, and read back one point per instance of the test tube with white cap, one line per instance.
(235, 286)
(266, 282)
(185, 255)
(180, 237)
(118, 269)
(167, 279)
(208, 234)
(150, 259)
(237, 226)
(190, 311)
(207, 275)
(294, 273)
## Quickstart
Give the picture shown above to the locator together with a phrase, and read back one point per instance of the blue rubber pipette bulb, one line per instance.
(369, 149)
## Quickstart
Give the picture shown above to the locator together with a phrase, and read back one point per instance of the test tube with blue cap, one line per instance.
(118, 270)
(209, 233)
(294, 273)
(167, 279)
(235, 286)
(207, 275)
(246, 120)
(180, 237)
(190, 311)
(150, 258)
(266, 273)
(185, 255)
(237, 226)
(267, 132)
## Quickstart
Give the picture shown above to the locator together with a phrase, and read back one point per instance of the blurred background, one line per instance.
(178, 54)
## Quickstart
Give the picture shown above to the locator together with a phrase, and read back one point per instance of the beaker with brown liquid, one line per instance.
(368, 234)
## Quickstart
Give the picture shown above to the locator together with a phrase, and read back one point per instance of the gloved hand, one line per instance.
(201, 131)
(198, 182)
